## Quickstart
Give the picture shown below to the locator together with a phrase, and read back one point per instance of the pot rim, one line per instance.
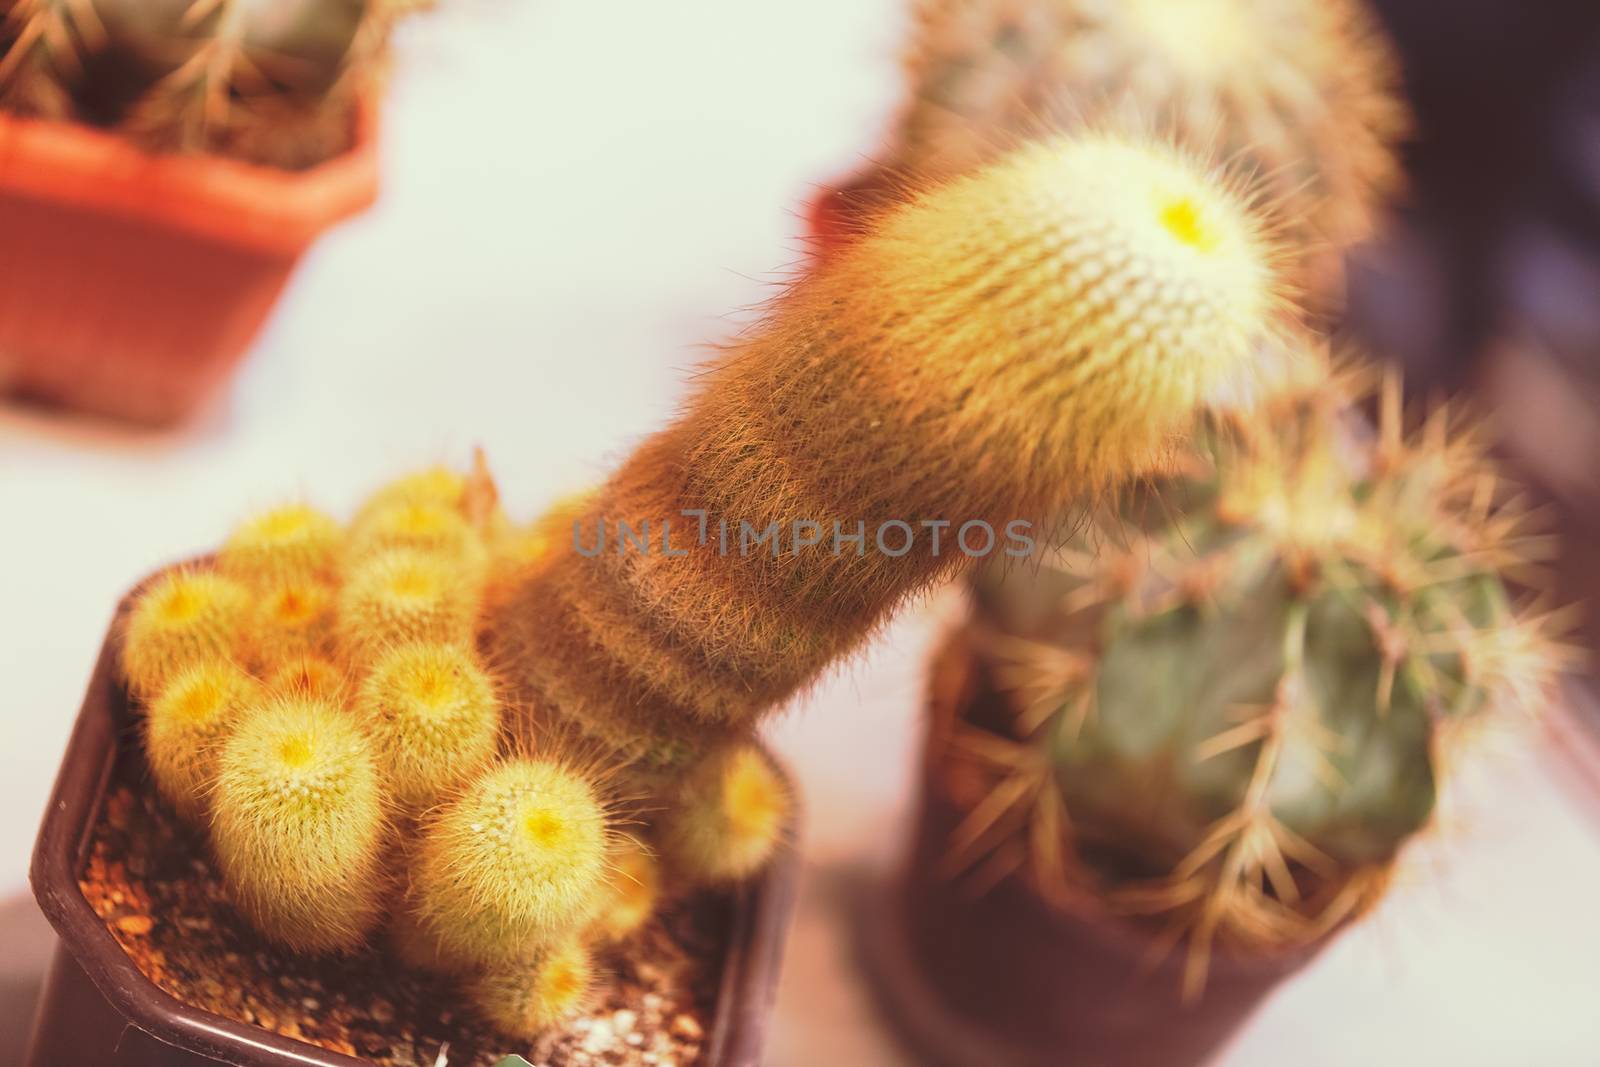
(750, 967)
(268, 209)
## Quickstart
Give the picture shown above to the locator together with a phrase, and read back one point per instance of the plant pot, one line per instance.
(97, 1008)
(1004, 977)
(131, 284)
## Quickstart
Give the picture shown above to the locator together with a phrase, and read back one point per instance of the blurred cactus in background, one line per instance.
(276, 83)
(1231, 721)
(1298, 95)
(315, 701)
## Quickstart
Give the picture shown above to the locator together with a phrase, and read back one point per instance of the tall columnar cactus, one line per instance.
(1300, 92)
(275, 83)
(999, 347)
(1235, 720)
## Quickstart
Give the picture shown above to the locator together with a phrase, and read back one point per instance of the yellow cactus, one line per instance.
(1302, 93)
(997, 349)
(728, 817)
(434, 718)
(184, 727)
(186, 616)
(632, 889)
(312, 676)
(423, 525)
(516, 861)
(294, 544)
(526, 997)
(435, 485)
(298, 823)
(293, 622)
(401, 596)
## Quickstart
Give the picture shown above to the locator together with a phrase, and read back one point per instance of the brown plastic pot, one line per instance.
(131, 284)
(96, 1008)
(1004, 978)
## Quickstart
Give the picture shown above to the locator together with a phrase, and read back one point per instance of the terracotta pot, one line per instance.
(131, 284)
(1003, 978)
(97, 1008)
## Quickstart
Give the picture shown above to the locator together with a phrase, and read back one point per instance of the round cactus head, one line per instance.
(1244, 712)
(184, 727)
(434, 718)
(545, 988)
(516, 861)
(728, 818)
(183, 617)
(401, 596)
(298, 822)
(289, 545)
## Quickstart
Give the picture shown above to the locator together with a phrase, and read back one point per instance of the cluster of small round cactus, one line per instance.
(315, 700)
(1234, 718)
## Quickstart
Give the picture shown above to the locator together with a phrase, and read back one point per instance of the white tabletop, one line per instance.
(580, 194)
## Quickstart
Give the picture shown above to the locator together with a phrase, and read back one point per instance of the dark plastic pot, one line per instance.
(97, 1010)
(1003, 978)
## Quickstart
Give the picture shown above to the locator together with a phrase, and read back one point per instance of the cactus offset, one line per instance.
(434, 719)
(632, 889)
(727, 818)
(545, 988)
(516, 861)
(1237, 720)
(401, 596)
(998, 348)
(292, 544)
(1301, 93)
(185, 616)
(293, 623)
(298, 824)
(184, 727)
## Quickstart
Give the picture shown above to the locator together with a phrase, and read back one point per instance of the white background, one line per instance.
(579, 196)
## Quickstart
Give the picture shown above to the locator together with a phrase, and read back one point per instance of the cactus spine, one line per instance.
(1005, 344)
(298, 824)
(1301, 93)
(1236, 721)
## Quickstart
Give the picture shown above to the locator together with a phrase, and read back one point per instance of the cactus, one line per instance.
(515, 862)
(184, 728)
(424, 526)
(1001, 346)
(299, 818)
(434, 718)
(293, 623)
(632, 889)
(186, 616)
(528, 996)
(292, 544)
(727, 818)
(272, 83)
(314, 676)
(1301, 93)
(1235, 721)
(401, 596)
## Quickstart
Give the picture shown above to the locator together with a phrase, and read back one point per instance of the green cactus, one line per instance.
(274, 83)
(1244, 714)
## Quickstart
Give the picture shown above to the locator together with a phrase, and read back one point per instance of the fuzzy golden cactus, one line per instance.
(298, 823)
(293, 545)
(546, 987)
(186, 616)
(403, 595)
(293, 622)
(434, 718)
(996, 349)
(516, 861)
(727, 817)
(184, 727)
(1303, 94)
(632, 889)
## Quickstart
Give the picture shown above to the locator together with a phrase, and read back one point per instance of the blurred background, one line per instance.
(578, 196)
